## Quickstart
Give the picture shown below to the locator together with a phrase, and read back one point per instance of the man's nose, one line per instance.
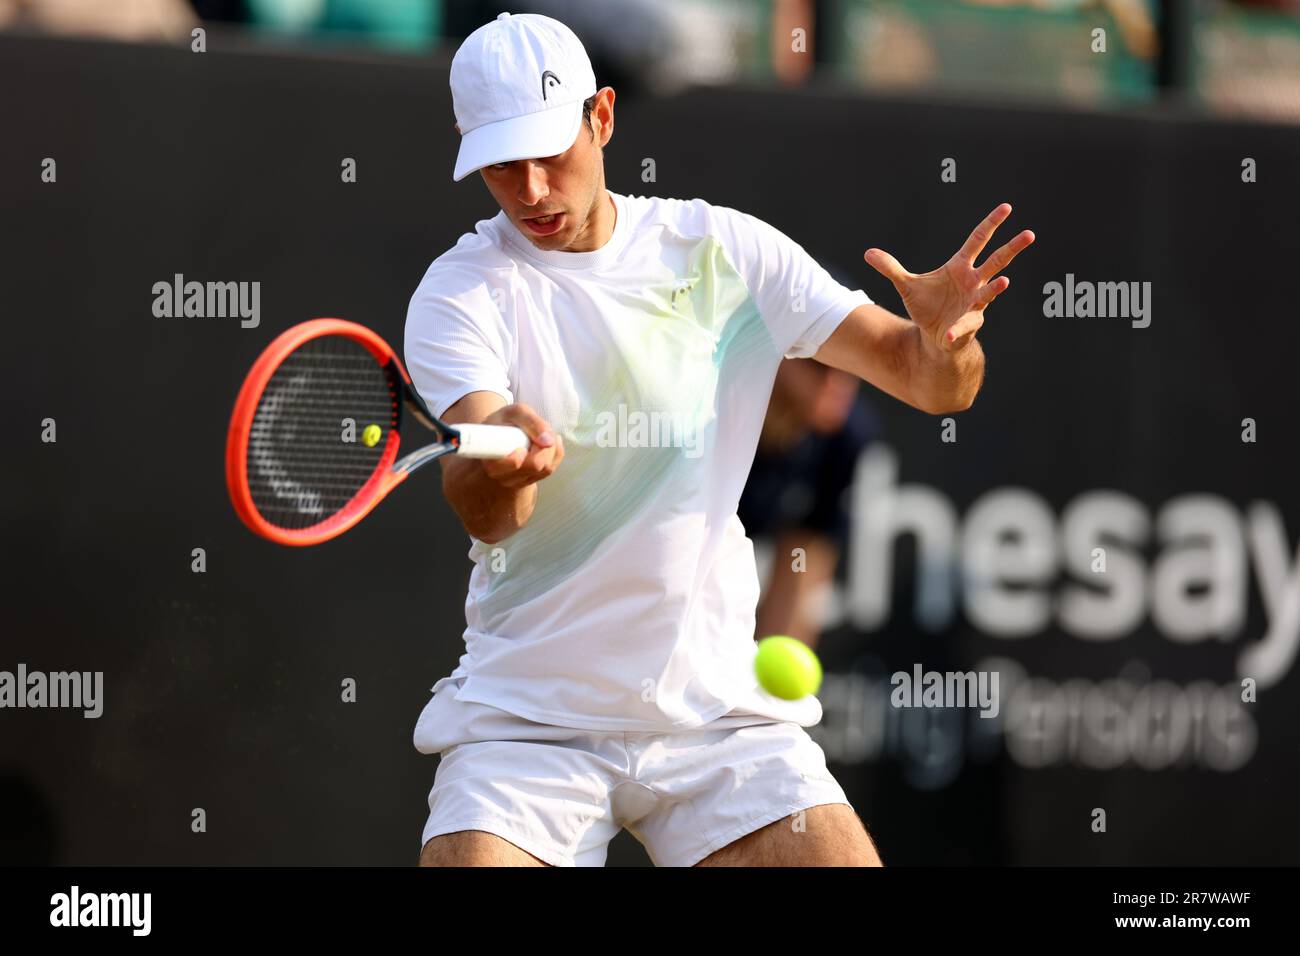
(533, 189)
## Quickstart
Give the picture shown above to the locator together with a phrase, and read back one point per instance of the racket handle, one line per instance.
(490, 441)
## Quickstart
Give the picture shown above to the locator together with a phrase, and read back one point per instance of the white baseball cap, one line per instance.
(517, 88)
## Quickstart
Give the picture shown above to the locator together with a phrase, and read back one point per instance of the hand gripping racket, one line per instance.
(313, 440)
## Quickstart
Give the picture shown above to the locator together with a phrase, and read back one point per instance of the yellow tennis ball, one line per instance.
(371, 435)
(787, 668)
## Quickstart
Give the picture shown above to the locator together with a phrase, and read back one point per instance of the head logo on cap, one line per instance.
(555, 81)
(494, 91)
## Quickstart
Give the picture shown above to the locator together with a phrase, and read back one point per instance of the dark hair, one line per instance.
(587, 105)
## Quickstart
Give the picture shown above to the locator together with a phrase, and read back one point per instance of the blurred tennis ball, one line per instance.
(370, 437)
(787, 667)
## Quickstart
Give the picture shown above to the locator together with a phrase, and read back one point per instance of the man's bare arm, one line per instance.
(889, 352)
(495, 498)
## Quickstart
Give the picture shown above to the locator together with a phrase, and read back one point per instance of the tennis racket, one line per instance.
(314, 437)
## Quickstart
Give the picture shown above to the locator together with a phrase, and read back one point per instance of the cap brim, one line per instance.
(533, 136)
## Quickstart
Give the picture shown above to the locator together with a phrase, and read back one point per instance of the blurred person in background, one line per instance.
(818, 423)
(792, 36)
(409, 24)
(118, 20)
(1136, 18)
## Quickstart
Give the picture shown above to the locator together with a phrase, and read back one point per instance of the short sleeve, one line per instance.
(800, 302)
(456, 340)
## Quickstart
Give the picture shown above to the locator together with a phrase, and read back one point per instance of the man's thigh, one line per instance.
(548, 799)
(826, 835)
(474, 848)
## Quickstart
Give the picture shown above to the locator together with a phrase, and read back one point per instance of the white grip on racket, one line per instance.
(489, 441)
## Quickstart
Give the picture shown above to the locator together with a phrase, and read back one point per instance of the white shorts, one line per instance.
(562, 794)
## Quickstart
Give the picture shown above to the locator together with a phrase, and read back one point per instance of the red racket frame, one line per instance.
(384, 480)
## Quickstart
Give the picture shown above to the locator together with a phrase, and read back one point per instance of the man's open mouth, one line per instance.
(545, 225)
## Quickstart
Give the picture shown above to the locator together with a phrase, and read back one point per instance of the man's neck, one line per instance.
(600, 225)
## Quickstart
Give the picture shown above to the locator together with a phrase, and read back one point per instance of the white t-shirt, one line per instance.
(627, 602)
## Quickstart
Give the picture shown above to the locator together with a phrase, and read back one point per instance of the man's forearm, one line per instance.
(940, 381)
(489, 510)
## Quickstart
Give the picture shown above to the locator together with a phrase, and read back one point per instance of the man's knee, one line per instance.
(841, 836)
(824, 835)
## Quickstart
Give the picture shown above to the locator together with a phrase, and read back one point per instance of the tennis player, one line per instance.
(607, 681)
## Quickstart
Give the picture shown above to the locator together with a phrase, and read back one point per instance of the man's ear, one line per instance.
(604, 113)
(457, 125)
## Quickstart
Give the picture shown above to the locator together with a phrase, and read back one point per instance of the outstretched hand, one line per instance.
(947, 305)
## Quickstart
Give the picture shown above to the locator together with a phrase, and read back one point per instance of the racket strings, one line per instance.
(301, 468)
